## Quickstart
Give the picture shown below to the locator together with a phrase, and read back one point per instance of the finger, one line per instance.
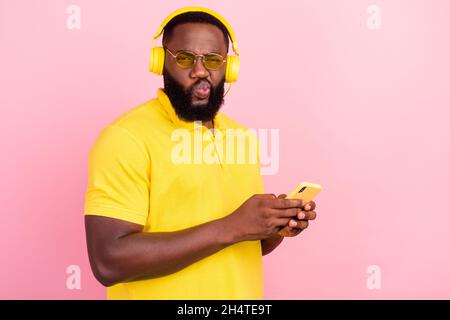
(282, 222)
(310, 206)
(298, 224)
(285, 213)
(286, 203)
(289, 232)
(264, 195)
(282, 196)
(306, 215)
(292, 223)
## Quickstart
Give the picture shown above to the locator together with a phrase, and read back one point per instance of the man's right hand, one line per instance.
(261, 216)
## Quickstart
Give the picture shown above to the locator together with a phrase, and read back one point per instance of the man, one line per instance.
(160, 229)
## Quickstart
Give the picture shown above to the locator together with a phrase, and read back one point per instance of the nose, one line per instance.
(198, 69)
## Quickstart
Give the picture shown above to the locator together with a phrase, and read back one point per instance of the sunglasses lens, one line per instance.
(213, 61)
(185, 59)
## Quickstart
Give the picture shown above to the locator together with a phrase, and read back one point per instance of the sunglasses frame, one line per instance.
(196, 56)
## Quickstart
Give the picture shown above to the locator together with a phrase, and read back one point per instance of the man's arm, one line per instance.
(269, 244)
(120, 252)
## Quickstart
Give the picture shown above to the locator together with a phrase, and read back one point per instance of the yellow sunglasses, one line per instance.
(186, 59)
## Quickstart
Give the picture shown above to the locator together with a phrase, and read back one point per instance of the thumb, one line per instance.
(282, 196)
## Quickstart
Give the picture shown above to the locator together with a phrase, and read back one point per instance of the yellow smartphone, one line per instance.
(305, 191)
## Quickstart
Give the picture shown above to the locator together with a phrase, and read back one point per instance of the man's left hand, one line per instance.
(296, 226)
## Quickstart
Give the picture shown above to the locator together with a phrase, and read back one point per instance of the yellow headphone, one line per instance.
(157, 54)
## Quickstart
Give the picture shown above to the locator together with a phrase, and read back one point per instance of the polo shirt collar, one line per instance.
(180, 123)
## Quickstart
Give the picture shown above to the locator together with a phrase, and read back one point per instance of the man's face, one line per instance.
(196, 93)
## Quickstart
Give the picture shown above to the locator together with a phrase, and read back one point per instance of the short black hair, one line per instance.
(194, 17)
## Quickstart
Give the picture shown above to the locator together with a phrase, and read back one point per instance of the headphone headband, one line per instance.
(200, 9)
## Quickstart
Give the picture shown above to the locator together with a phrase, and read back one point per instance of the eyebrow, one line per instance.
(192, 51)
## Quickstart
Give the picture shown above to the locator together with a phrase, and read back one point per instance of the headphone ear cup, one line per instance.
(157, 56)
(232, 72)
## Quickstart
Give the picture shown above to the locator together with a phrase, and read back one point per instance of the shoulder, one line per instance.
(229, 123)
(143, 116)
(126, 132)
(139, 122)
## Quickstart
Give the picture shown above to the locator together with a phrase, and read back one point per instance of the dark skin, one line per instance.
(120, 251)
(198, 38)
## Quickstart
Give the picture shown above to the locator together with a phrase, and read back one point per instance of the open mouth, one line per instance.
(202, 90)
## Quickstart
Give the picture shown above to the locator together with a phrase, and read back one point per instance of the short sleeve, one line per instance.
(118, 177)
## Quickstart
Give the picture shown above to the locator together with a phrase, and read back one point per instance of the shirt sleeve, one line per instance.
(118, 177)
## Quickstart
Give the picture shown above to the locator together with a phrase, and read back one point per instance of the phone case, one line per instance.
(305, 191)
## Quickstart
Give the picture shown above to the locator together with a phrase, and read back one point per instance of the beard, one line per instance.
(181, 100)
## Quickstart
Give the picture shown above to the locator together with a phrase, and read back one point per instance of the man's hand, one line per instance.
(301, 221)
(261, 217)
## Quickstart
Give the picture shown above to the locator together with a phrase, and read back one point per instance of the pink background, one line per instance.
(364, 113)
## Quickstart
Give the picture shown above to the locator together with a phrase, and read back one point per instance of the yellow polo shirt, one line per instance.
(151, 168)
